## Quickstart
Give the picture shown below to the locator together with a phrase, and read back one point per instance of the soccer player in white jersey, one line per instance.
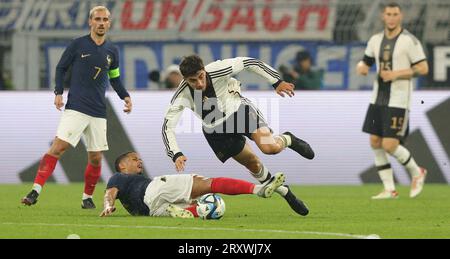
(399, 57)
(214, 96)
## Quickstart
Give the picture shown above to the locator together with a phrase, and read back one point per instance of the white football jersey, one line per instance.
(401, 52)
(216, 103)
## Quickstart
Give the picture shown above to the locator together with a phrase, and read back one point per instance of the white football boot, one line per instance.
(386, 194)
(178, 212)
(417, 183)
(269, 188)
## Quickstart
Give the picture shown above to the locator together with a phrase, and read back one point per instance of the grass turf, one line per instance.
(335, 212)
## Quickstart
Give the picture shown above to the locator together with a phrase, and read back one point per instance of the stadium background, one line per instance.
(152, 35)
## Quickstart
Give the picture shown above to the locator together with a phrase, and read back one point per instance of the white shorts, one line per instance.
(73, 124)
(168, 189)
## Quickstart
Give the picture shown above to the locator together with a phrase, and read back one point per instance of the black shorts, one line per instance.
(228, 139)
(387, 122)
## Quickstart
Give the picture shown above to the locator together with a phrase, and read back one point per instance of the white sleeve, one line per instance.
(173, 114)
(370, 48)
(415, 52)
(232, 66)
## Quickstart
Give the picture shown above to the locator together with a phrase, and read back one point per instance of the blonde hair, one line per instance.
(98, 8)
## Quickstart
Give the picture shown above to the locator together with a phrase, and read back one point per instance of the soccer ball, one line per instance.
(210, 206)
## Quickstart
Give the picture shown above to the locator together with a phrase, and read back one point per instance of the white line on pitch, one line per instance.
(198, 228)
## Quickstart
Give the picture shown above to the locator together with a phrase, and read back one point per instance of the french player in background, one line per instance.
(95, 65)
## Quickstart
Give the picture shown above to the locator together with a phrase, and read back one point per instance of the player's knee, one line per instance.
(270, 149)
(375, 142)
(58, 148)
(95, 158)
(200, 186)
(389, 146)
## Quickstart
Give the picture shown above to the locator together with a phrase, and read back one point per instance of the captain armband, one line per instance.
(114, 73)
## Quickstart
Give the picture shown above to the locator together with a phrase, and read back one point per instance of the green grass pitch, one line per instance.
(335, 212)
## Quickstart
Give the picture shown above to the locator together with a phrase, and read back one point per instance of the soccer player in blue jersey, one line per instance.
(171, 195)
(94, 62)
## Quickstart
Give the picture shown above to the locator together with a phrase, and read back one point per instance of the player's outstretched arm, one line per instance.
(108, 202)
(285, 88)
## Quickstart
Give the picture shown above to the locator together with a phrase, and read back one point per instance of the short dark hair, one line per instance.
(392, 5)
(190, 65)
(119, 159)
(302, 55)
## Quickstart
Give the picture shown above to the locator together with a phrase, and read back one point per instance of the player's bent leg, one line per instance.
(266, 142)
(248, 159)
(45, 170)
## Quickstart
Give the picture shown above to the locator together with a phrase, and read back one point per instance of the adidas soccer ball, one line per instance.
(210, 206)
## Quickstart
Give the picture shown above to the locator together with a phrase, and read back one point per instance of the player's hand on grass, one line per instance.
(388, 75)
(108, 211)
(128, 105)
(180, 163)
(59, 102)
(285, 88)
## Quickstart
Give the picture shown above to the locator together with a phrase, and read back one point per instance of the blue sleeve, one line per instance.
(118, 181)
(114, 76)
(64, 64)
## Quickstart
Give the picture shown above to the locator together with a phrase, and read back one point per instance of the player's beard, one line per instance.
(392, 29)
(100, 34)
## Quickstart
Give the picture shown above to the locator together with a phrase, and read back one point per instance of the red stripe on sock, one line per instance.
(193, 209)
(46, 168)
(231, 186)
(91, 176)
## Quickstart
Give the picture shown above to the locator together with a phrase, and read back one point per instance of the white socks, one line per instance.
(384, 169)
(264, 176)
(85, 196)
(285, 139)
(257, 188)
(404, 157)
(37, 188)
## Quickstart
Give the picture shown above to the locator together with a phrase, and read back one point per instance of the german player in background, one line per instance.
(170, 195)
(215, 97)
(399, 58)
(95, 64)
